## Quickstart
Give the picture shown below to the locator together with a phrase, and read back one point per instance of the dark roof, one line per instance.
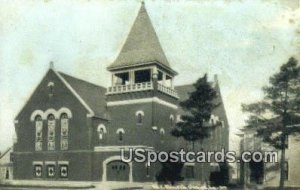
(184, 91)
(92, 94)
(142, 44)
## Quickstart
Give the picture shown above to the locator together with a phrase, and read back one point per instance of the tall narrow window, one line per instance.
(101, 131)
(64, 123)
(51, 88)
(162, 134)
(38, 133)
(120, 133)
(139, 117)
(51, 132)
(120, 136)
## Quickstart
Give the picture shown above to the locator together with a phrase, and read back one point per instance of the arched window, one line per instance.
(162, 134)
(120, 133)
(162, 131)
(51, 88)
(139, 117)
(51, 132)
(101, 131)
(64, 133)
(120, 136)
(38, 133)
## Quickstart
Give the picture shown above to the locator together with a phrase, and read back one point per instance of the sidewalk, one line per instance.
(44, 184)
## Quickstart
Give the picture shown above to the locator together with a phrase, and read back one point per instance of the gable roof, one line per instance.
(142, 44)
(93, 95)
(184, 91)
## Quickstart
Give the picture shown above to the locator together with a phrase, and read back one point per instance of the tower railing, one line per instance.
(167, 90)
(144, 86)
(130, 88)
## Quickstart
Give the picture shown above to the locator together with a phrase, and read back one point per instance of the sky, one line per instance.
(244, 42)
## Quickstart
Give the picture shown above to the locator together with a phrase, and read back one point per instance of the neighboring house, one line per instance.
(268, 174)
(6, 166)
(70, 129)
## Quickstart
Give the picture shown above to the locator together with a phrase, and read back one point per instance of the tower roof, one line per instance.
(141, 46)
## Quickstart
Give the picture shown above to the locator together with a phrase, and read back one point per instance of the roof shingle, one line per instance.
(92, 94)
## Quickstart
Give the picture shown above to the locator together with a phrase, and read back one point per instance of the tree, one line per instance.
(220, 178)
(276, 115)
(170, 172)
(199, 106)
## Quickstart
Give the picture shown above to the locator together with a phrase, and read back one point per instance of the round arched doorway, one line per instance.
(114, 169)
(117, 171)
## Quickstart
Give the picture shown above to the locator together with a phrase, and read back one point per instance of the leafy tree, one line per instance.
(220, 178)
(199, 106)
(170, 172)
(276, 115)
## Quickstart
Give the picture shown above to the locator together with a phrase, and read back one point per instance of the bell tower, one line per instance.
(141, 69)
(141, 98)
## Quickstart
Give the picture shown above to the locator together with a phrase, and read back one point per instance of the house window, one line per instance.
(120, 133)
(101, 131)
(139, 117)
(51, 88)
(38, 170)
(189, 172)
(120, 136)
(286, 170)
(63, 170)
(162, 134)
(51, 171)
(51, 132)
(38, 133)
(64, 123)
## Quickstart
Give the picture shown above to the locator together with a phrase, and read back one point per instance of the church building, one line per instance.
(71, 129)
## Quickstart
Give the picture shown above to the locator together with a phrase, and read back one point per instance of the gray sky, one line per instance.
(244, 42)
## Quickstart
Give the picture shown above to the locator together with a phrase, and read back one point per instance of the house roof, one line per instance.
(142, 45)
(184, 91)
(93, 95)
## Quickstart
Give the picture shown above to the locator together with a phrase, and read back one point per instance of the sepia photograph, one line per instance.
(150, 94)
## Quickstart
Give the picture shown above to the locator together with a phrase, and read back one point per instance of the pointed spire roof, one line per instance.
(142, 44)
